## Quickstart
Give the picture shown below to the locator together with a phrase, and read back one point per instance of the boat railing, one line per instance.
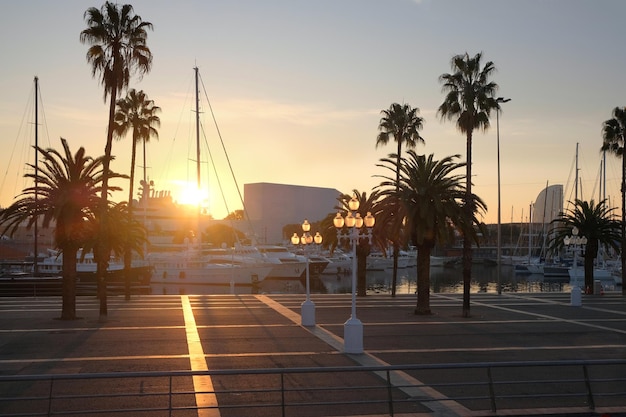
(557, 387)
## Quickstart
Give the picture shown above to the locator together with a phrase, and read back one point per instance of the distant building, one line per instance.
(548, 205)
(272, 206)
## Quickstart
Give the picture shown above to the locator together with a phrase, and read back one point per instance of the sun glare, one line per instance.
(188, 194)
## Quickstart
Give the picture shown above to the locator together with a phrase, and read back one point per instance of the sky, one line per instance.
(296, 89)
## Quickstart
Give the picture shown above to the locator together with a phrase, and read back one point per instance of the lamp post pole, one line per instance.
(576, 243)
(499, 250)
(307, 309)
(353, 328)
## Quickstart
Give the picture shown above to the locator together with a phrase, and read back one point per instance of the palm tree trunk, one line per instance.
(127, 250)
(423, 281)
(394, 280)
(467, 242)
(361, 259)
(589, 258)
(623, 225)
(104, 250)
(68, 309)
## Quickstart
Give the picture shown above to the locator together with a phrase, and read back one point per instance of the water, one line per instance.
(442, 280)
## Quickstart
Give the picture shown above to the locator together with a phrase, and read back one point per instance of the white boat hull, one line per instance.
(212, 274)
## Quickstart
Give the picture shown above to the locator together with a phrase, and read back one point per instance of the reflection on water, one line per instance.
(442, 280)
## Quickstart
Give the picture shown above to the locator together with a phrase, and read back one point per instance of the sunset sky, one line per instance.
(297, 88)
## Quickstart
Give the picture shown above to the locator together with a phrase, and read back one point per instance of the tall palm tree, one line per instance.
(614, 140)
(403, 124)
(118, 49)
(431, 196)
(135, 113)
(469, 100)
(363, 249)
(596, 223)
(67, 191)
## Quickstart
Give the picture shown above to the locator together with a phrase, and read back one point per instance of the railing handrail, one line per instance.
(583, 388)
(326, 369)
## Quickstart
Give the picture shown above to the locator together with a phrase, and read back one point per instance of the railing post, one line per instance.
(389, 393)
(592, 404)
(50, 397)
(492, 391)
(282, 392)
(169, 406)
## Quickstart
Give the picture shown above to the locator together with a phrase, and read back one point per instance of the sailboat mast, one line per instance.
(576, 179)
(603, 175)
(36, 231)
(197, 130)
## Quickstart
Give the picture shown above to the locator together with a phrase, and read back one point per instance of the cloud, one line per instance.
(307, 114)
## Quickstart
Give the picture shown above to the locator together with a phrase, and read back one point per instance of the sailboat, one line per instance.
(191, 263)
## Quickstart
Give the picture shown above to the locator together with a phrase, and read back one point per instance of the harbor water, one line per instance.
(442, 280)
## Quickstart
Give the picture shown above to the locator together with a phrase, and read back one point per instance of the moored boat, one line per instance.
(192, 267)
(86, 268)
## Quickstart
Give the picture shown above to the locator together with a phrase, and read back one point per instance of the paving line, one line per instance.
(443, 407)
(203, 385)
(548, 317)
(305, 354)
(586, 307)
(157, 357)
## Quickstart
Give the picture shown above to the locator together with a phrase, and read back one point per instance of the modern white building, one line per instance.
(272, 206)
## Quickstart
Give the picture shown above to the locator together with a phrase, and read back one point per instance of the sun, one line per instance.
(188, 194)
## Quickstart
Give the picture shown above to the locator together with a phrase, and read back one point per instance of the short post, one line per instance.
(575, 297)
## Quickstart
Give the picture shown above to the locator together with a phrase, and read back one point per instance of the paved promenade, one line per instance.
(200, 332)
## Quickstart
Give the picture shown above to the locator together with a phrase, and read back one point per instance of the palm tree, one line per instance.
(363, 249)
(403, 124)
(67, 191)
(137, 114)
(469, 101)
(595, 222)
(614, 140)
(118, 49)
(430, 194)
(126, 236)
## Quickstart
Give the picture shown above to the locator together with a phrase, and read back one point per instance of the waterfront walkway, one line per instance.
(207, 332)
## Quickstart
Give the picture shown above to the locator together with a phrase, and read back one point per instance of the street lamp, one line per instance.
(353, 328)
(307, 310)
(575, 243)
(499, 250)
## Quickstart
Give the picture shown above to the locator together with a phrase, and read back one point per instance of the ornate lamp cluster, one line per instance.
(353, 328)
(354, 222)
(306, 238)
(575, 241)
(307, 315)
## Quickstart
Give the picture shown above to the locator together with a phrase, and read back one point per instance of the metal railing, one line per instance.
(575, 386)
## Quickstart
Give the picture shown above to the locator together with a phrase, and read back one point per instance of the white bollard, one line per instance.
(575, 297)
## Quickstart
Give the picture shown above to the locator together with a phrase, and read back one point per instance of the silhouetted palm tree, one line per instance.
(127, 234)
(403, 124)
(431, 196)
(367, 204)
(595, 222)
(614, 140)
(135, 113)
(67, 193)
(469, 101)
(118, 49)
